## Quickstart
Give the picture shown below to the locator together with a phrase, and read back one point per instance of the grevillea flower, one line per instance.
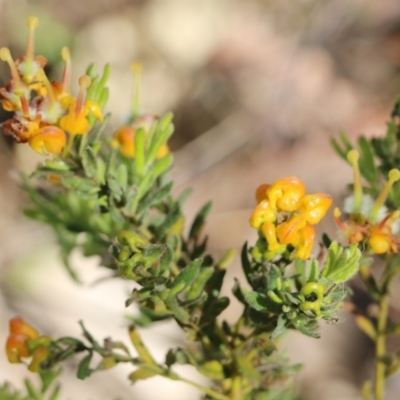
(284, 217)
(48, 140)
(44, 111)
(367, 220)
(124, 140)
(17, 344)
(20, 332)
(76, 121)
(124, 137)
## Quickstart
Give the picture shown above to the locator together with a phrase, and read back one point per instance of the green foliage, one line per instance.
(377, 157)
(124, 209)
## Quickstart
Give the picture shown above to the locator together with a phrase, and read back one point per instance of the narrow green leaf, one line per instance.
(141, 374)
(180, 313)
(162, 165)
(56, 393)
(141, 349)
(84, 367)
(198, 223)
(314, 271)
(280, 326)
(214, 308)
(197, 286)
(367, 162)
(89, 162)
(122, 177)
(34, 395)
(186, 277)
(246, 265)
(140, 137)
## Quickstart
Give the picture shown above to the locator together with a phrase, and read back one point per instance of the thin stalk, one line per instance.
(380, 348)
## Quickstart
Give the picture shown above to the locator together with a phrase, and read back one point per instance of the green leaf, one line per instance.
(366, 162)
(314, 271)
(211, 369)
(197, 286)
(214, 308)
(280, 326)
(258, 301)
(140, 347)
(140, 137)
(122, 177)
(142, 373)
(163, 131)
(341, 264)
(89, 162)
(33, 394)
(237, 291)
(343, 148)
(56, 393)
(186, 277)
(162, 165)
(246, 265)
(84, 367)
(153, 199)
(198, 223)
(180, 313)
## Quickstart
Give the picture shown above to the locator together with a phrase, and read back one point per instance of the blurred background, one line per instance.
(257, 87)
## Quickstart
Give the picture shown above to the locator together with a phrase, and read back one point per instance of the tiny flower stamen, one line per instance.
(394, 176)
(137, 74)
(33, 23)
(43, 78)
(84, 83)
(5, 56)
(65, 55)
(352, 157)
(25, 107)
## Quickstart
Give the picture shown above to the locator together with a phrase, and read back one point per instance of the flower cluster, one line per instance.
(124, 137)
(368, 221)
(284, 216)
(44, 112)
(24, 342)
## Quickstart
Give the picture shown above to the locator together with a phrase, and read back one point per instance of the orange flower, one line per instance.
(262, 213)
(284, 215)
(48, 140)
(76, 121)
(314, 207)
(261, 192)
(20, 332)
(286, 193)
(367, 219)
(124, 139)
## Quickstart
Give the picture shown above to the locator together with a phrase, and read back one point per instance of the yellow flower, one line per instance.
(313, 207)
(262, 213)
(367, 219)
(76, 122)
(304, 243)
(124, 139)
(284, 215)
(48, 140)
(20, 332)
(286, 193)
(261, 192)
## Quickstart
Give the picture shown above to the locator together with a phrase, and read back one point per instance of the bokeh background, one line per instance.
(257, 87)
